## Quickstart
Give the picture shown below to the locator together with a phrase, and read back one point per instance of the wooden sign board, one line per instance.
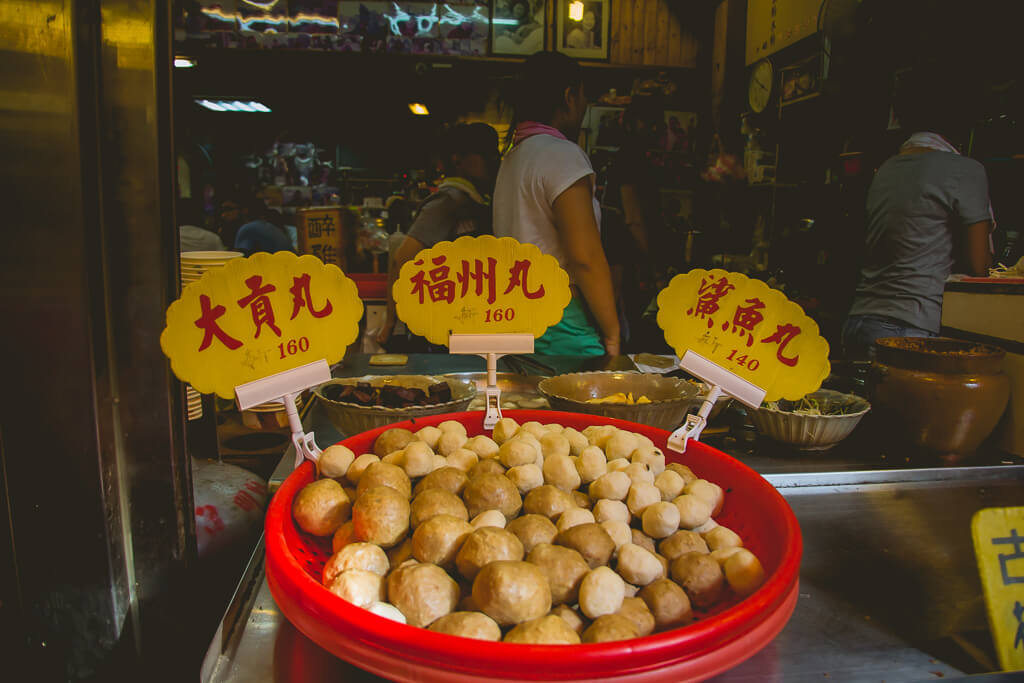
(322, 234)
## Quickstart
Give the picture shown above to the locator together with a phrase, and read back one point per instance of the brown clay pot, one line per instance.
(941, 395)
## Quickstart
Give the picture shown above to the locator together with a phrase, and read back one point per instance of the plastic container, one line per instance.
(812, 432)
(371, 286)
(717, 641)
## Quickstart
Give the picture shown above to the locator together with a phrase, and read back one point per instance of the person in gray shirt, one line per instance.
(460, 207)
(925, 206)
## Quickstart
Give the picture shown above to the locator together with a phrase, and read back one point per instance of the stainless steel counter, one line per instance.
(888, 586)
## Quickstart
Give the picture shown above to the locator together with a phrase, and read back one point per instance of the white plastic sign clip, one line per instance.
(491, 347)
(720, 381)
(285, 386)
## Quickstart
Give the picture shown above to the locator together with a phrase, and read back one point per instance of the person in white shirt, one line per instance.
(544, 195)
(191, 235)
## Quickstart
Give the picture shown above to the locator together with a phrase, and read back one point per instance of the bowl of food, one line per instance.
(357, 404)
(816, 422)
(517, 391)
(472, 573)
(638, 397)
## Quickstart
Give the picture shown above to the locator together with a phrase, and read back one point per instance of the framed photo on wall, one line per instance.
(518, 27)
(581, 28)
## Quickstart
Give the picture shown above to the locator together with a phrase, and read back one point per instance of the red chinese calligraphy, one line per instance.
(708, 294)
(518, 275)
(440, 288)
(208, 519)
(259, 303)
(301, 297)
(244, 500)
(782, 336)
(478, 276)
(746, 318)
(207, 322)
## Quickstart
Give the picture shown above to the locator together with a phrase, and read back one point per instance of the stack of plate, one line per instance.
(193, 265)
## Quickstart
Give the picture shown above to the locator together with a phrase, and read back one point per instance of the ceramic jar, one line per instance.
(943, 396)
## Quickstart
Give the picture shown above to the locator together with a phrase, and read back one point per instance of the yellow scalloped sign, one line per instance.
(481, 285)
(746, 327)
(258, 316)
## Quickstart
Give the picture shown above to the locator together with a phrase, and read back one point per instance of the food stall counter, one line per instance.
(889, 588)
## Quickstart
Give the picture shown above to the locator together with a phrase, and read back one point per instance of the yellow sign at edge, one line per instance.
(481, 285)
(747, 328)
(258, 316)
(999, 548)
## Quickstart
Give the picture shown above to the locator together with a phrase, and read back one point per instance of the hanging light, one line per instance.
(250, 106)
(576, 11)
(184, 62)
(419, 109)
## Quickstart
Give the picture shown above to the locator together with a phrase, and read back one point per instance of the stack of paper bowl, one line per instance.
(194, 400)
(269, 416)
(194, 265)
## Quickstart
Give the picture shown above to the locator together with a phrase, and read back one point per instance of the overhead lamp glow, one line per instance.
(212, 106)
(576, 11)
(184, 62)
(251, 106)
(419, 109)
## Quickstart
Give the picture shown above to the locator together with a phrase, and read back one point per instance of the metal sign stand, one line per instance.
(491, 347)
(286, 386)
(720, 381)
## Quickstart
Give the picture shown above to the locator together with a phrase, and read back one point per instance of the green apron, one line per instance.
(572, 336)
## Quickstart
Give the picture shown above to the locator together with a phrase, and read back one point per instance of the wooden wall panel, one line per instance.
(651, 32)
(675, 36)
(648, 33)
(661, 55)
(636, 48)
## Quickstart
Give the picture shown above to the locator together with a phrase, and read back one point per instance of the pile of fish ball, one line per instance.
(538, 533)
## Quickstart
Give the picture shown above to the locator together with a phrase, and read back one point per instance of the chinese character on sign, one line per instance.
(259, 303)
(478, 275)
(746, 318)
(301, 297)
(708, 295)
(439, 287)
(1016, 541)
(325, 252)
(518, 275)
(1018, 611)
(207, 322)
(782, 336)
(318, 226)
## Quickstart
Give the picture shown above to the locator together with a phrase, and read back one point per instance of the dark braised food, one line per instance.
(389, 395)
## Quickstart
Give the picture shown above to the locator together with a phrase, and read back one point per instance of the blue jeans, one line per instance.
(861, 331)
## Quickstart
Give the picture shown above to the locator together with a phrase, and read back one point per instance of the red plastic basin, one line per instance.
(718, 640)
(371, 286)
